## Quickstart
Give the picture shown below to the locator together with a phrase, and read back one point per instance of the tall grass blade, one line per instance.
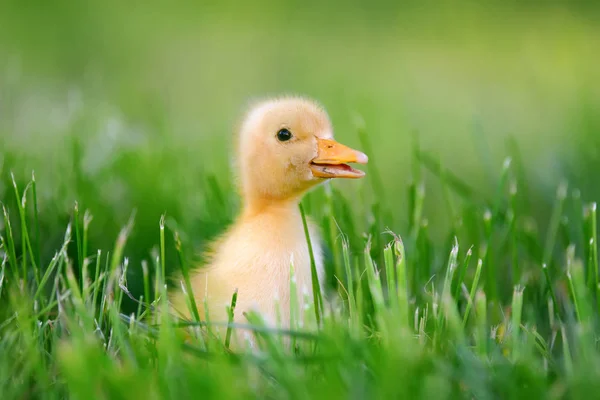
(9, 244)
(593, 258)
(557, 211)
(316, 287)
(36, 224)
(473, 291)
(231, 314)
(517, 309)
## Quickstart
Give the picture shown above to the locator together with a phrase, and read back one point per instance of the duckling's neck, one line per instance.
(264, 205)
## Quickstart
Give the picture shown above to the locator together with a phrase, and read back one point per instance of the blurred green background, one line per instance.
(131, 105)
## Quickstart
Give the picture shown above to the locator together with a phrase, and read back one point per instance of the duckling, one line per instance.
(284, 148)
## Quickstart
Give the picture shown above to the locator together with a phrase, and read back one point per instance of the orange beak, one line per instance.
(332, 158)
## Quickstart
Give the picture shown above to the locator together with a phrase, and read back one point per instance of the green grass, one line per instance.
(465, 265)
(497, 311)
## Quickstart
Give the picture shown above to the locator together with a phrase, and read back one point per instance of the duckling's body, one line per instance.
(254, 257)
(284, 148)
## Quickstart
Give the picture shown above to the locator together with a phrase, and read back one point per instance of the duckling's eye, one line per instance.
(284, 135)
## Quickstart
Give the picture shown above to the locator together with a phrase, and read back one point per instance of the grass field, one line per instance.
(465, 265)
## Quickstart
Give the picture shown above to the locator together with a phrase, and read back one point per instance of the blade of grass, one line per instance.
(9, 245)
(390, 278)
(87, 220)
(316, 287)
(186, 278)
(78, 242)
(2, 273)
(550, 288)
(96, 290)
(473, 291)
(481, 330)
(561, 194)
(20, 207)
(231, 314)
(54, 263)
(579, 293)
(354, 315)
(332, 228)
(402, 282)
(567, 359)
(462, 273)
(146, 282)
(593, 258)
(512, 215)
(163, 269)
(36, 223)
(517, 308)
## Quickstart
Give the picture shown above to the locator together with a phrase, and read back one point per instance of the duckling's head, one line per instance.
(286, 146)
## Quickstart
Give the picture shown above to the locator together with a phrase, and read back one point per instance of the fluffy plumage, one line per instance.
(255, 253)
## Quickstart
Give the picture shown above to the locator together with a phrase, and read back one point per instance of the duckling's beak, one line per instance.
(332, 158)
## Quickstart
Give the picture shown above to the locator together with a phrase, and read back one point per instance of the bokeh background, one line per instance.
(131, 105)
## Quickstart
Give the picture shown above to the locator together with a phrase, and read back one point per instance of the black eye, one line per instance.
(284, 135)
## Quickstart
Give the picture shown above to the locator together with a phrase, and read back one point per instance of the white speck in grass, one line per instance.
(293, 278)
(14, 182)
(593, 207)
(561, 192)
(454, 251)
(591, 241)
(87, 219)
(494, 332)
(513, 188)
(506, 164)
(519, 289)
(416, 319)
(487, 215)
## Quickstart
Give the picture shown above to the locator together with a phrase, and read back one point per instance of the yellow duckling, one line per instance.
(284, 148)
